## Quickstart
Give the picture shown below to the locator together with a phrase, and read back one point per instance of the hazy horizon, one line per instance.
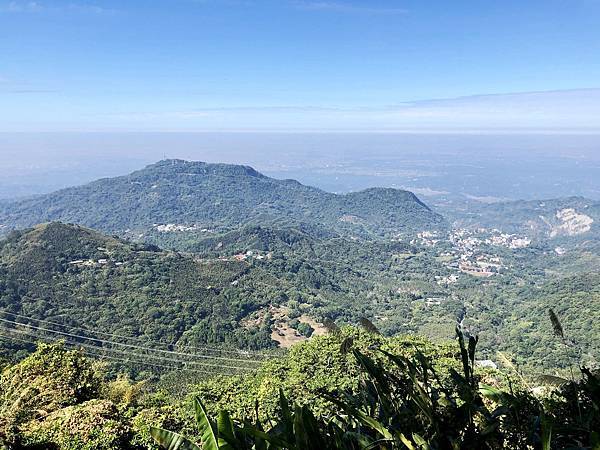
(474, 101)
(435, 166)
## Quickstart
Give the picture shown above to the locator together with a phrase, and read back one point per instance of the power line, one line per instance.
(122, 352)
(177, 361)
(87, 330)
(137, 347)
(126, 361)
(31, 341)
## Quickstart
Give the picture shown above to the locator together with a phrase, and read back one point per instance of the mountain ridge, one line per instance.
(557, 218)
(219, 195)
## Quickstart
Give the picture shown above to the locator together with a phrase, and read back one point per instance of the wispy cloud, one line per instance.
(11, 86)
(552, 110)
(20, 7)
(89, 8)
(345, 7)
(220, 111)
(23, 7)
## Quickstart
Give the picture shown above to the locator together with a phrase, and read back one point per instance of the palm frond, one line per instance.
(368, 325)
(331, 326)
(556, 325)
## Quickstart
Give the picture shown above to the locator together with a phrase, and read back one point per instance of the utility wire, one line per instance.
(128, 361)
(203, 348)
(137, 347)
(124, 352)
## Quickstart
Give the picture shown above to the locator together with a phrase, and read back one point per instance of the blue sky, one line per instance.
(171, 65)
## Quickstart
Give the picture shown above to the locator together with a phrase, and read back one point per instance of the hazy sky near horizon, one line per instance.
(185, 65)
(507, 166)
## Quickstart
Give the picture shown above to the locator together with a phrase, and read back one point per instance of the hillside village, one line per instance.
(471, 251)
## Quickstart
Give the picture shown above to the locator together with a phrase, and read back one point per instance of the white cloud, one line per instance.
(345, 7)
(89, 8)
(17, 6)
(568, 111)
(20, 7)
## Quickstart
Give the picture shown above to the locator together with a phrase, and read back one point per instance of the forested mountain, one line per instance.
(220, 254)
(196, 195)
(552, 219)
(78, 277)
(240, 289)
(259, 287)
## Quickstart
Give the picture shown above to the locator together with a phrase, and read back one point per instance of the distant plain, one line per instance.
(441, 168)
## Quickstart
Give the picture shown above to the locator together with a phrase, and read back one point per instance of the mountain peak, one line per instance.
(198, 195)
(181, 166)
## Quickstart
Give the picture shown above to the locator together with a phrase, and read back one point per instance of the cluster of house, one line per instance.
(96, 262)
(427, 239)
(471, 239)
(472, 259)
(480, 265)
(468, 254)
(176, 228)
(250, 254)
(465, 238)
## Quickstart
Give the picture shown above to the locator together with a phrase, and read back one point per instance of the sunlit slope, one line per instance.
(196, 194)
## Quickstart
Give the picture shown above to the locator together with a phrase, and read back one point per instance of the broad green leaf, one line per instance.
(546, 432)
(407, 442)
(226, 437)
(363, 418)
(207, 431)
(171, 441)
(490, 392)
(286, 414)
(272, 440)
(421, 442)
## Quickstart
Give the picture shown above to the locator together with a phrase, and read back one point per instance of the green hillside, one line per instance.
(77, 277)
(225, 293)
(555, 219)
(220, 254)
(197, 195)
(259, 287)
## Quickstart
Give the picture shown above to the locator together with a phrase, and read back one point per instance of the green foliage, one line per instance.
(48, 380)
(210, 298)
(303, 256)
(310, 369)
(168, 415)
(336, 257)
(92, 425)
(218, 195)
(375, 392)
(136, 291)
(406, 403)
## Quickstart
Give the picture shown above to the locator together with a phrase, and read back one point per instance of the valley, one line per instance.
(299, 225)
(222, 255)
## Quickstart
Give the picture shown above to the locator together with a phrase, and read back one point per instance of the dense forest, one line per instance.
(218, 196)
(258, 287)
(349, 389)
